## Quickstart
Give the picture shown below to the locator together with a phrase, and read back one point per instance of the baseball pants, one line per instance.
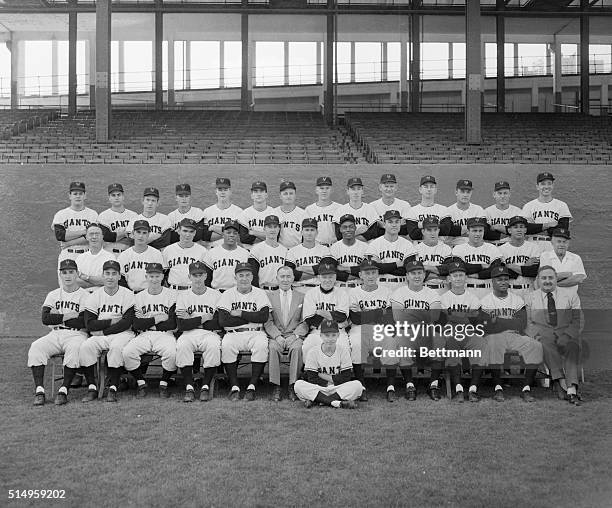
(351, 390)
(474, 343)
(479, 288)
(254, 341)
(304, 288)
(438, 287)
(497, 344)
(92, 348)
(561, 364)
(392, 283)
(207, 342)
(66, 342)
(361, 342)
(159, 343)
(276, 348)
(313, 339)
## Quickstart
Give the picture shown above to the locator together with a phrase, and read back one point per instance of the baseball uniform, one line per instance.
(570, 263)
(221, 262)
(459, 218)
(519, 255)
(350, 256)
(160, 229)
(215, 216)
(540, 213)
(177, 260)
(133, 266)
(419, 212)
(307, 258)
(433, 255)
(403, 207)
(291, 226)
(324, 215)
(365, 216)
(499, 217)
(269, 259)
(250, 218)
(69, 220)
(111, 221)
(176, 216)
(484, 255)
(390, 253)
(91, 264)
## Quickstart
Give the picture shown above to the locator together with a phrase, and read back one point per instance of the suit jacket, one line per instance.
(569, 314)
(294, 325)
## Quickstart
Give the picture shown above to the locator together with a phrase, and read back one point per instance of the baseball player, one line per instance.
(367, 306)
(478, 256)
(223, 210)
(178, 256)
(391, 251)
(198, 323)
(569, 266)
(412, 303)
(304, 258)
(90, 263)
(184, 211)
(222, 260)
(546, 210)
(460, 308)
(388, 201)
(134, 260)
(109, 314)
(522, 258)
(323, 211)
(428, 189)
(115, 221)
(328, 373)
(461, 211)
(268, 256)
(155, 321)
(506, 319)
(62, 312)
(290, 216)
(366, 218)
(433, 253)
(499, 214)
(325, 302)
(161, 229)
(69, 224)
(348, 253)
(243, 310)
(252, 218)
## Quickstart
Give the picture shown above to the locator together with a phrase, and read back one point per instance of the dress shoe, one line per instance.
(573, 398)
(292, 396)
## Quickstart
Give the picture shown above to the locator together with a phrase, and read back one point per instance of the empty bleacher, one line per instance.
(13, 122)
(532, 138)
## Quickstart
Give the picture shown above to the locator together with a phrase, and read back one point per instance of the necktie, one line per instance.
(285, 301)
(552, 310)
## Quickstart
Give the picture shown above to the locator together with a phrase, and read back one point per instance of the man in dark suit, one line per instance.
(286, 330)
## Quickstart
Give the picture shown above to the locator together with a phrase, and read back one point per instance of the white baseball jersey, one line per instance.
(504, 308)
(222, 262)
(61, 301)
(432, 255)
(328, 366)
(176, 216)
(133, 266)
(291, 226)
(158, 223)
(519, 256)
(253, 301)
(198, 305)
(147, 305)
(500, 217)
(403, 207)
(571, 263)
(254, 219)
(361, 300)
(74, 221)
(91, 264)
(391, 252)
(215, 216)
(419, 212)
(269, 259)
(325, 221)
(109, 306)
(538, 212)
(349, 255)
(483, 255)
(405, 298)
(177, 259)
(460, 218)
(454, 303)
(114, 221)
(365, 215)
(336, 300)
(303, 256)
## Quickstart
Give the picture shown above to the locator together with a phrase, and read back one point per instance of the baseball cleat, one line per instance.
(189, 396)
(348, 404)
(526, 396)
(434, 393)
(250, 395)
(473, 397)
(61, 399)
(163, 392)
(204, 395)
(90, 396)
(39, 399)
(234, 395)
(573, 398)
(411, 393)
(276, 394)
(141, 392)
(308, 404)
(111, 396)
(292, 396)
(363, 397)
(499, 396)
(459, 397)
(390, 395)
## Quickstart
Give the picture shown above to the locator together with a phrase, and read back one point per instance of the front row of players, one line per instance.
(543, 328)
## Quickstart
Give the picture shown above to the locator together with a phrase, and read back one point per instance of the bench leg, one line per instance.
(101, 374)
(447, 382)
(53, 375)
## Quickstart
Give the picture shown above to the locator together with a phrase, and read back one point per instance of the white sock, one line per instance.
(204, 387)
(113, 388)
(526, 388)
(235, 388)
(40, 389)
(390, 388)
(409, 385)
(498, 387)
(335, 403)
(189, 387)
(473, 388)
(92, 387)
(434, 384)
(141, 382)
(63, 390)
(251, 387)
(163, 383)
(458, 388)
(571, 390)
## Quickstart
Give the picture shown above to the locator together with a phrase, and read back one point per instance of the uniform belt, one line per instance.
(62, 327)
(541, 238)
(269, 287)
(179, 288)
(118, 251)
(520, 286)
(299, 284)
(479, 285)
(243, 329)
(435, 286)
(392, 279)
(349, 284)
(76, 251)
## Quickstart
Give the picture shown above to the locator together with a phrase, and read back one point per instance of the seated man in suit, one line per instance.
(554, 319)
(286, 330)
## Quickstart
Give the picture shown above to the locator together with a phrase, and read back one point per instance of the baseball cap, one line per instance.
(354, 181)
(286, 185)
(115, 187)
(68, 264)
(197, 267)
(323, 180)
(476, 222)
(183, 189)
(188, 223)
(271, 219)
(259, 185)
(141, 224)
(431, 222)
(112, 265)
(391, 214)
(388, 178)
(77, 186)
(562, 232)
(464, 184)
(243, 267)
(368, 264)
(152, 268)
(501, 185)
(413, 265)
(545, 176)
(517, 219)
(222, 183)
(151, 191)
(457, 266)
(428, 179)
(326, 267)
(309, 223)
(329, 326)
(498, 271)
(230, 224)
(347, 217)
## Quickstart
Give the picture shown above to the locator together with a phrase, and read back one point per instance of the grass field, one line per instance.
(157, 452)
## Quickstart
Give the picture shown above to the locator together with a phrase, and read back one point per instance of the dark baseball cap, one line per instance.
(392, 214)
(115, 187)
(498, 271)
(183, 189)
(259, 185)
(151, 191)
(68, 264)
(230, 224)
(326, 267)
(431, 222)
(141, 224)
(501, 185)
(154, 268)
(562, 232)
(545, 176)
(457, 266)
(347, 217)
(271, 219)
(286, 185)
(464, 184)
(309, 223)
(411, 266)
(243, 267)
(188, 223)
(354, 181)
(428, 179)
(222, 183)
(368, 264)
(197, 267)
(80, 186)
(329, 326)
(473, 222)
(323, 180)
(517, 219)
(388, 178)
(111, 265)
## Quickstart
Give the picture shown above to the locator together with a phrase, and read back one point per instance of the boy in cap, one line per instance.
(290, 215)
(324, 211)
(115, 221)
(366, 218)
(215, 216)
